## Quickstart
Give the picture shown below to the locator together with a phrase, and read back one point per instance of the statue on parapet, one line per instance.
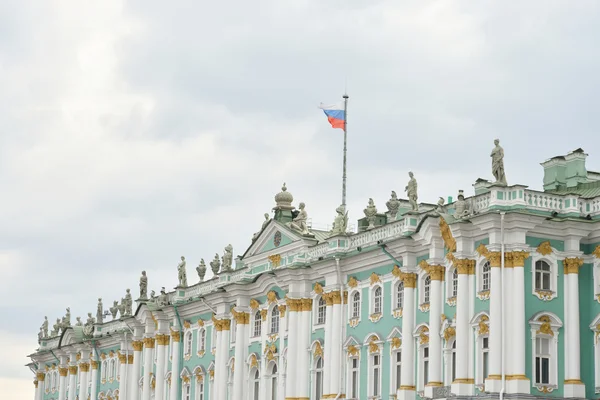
(44, 328)
(371, 213)
(498, 164)
(393, 204)
(78, 321)
(114, 309)
(100, 312)
(56, 328)
(128, 303)
(215, 264)
(227, 259)
(143, 286)
(461, 207)
(182, 274)
(340, 223)
(411, 192)
(299, 222)
(201, 269)
(163, 299)
(88, 328)
(262, 228)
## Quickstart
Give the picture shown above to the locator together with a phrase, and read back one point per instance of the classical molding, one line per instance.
(571, 265)
(149, 343)
(137, 345)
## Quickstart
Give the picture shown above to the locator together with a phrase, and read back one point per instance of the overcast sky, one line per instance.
(134, 132)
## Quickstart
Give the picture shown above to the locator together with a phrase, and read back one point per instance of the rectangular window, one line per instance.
(375, 375)
(398, 370)
(355, 377)
(486, 357)
(425, 365)
(257, 324)
(542, 361)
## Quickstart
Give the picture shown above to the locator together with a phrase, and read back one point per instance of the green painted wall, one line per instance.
(270, 245)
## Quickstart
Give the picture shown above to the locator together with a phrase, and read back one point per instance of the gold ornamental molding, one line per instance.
(544, 248)
(437, 272)
(263, 314)
(596, 251)
(353, 351)
(465, 266)
(187, 324)
(449, 333)
(374, 278)
(138, 345)
(482, 250)
(241, 318)
(253, 361)
(328, 299)
(373, 346)
(545, 328)
(275, 260)
(397, 272)
(85, 367)
(200, 322)
(318, 350)
(571, 265)
(318, 289)
(272, 296)
(163, 340)
(73, 369)
(123, 358)
(352, 282)
(424, 335)
(175, 336)
(484, 329)
(449, 240)
(410, 280)
(518, 258)
(41, 376)
(149, 343)
(306, 304)
(254, 304)
(282, 309)
(336, 297)
(65, 371)
(294, 305)
(129, 359)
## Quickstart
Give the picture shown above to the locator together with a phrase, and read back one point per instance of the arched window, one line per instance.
(104, 367)
(200, 387)
(275, 320)
(257, 324)
(354, 377)
(486, 276)
(377, 300)
(274, 382)
(542, 275)
(454, 286)
(319, 378)
(399, 295)
(426, 289)
(202, 340)
(187, 391)
(356, 305)
(321, 311)
(255, 384)
(188, 344)
(375, 375)
(396, 369)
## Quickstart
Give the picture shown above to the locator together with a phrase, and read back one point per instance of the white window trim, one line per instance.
(373, 316)
(475, 321)
(596, 269)
(313, 376)
(552, 260)
(450, 299)
(201, 350)
(555, 325)
(197, 387)
(252, 321)
(232, 333)
(379, 352)
(187, 351)
(270, 320)
(354, 321)
(316, 325)
(349, 375)
(423, 305)
(251, 373)
(393, 384)
(396, 312)
(419, 354)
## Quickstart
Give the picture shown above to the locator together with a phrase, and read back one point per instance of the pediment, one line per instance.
(275, 236)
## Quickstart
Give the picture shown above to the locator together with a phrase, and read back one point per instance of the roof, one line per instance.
(585, 190)
(321, 236)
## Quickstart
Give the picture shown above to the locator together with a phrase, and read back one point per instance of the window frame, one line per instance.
(256, 321)
(274, 318)
(552, 261)
(538, 330)
(374, 299)
(397, 298)
(320, 309)
(188, 343)
(317, 376)
(201, 342)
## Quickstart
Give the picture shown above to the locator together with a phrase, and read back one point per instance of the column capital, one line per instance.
(94, 364)
(175, 336)
(138, 345)
(162, 340)
(294, 304)
(436, 272)
(518, 258)
(572, 265)
(73, 369)
(40, 376)
(149, 343)
(123, 358)
(328, 299)
(241, 318)
(84, 367)
(464, 266)
(130, 359)
(409, 279)
(63, 371)
(307, 304)
(282, 309)
(336, 297)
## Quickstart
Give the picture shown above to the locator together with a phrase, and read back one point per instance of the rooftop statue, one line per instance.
(440, 209)
(411, 192)
(41, 334)
(182, 275)
(340, 224)
(461, 207)
(227, 259)
(201, 269)
(393, 204)
(371, 213)
(153, 296)
(44, 328)
(66, 321)
(143, 286)
(498, 164)
(262, 228)
(299, 222)
(114, 309)
(88, 328)
(128, 303)
(122, 306)
(163, 299)
(215, 264)
(78, 323)
(55, 328)
(100, 312)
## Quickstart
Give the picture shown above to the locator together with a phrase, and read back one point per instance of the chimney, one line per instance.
(563, 172)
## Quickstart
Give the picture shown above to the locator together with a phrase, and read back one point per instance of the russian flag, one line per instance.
(335, 114)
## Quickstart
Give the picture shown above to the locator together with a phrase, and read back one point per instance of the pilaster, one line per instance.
(94, 378)
(162, 344)
(407, 390)
(494, 381)
(573, 386)
(148, 361)
(462, 385)
(242, 320)
(518, 382)
(436, 272)
(293, 313)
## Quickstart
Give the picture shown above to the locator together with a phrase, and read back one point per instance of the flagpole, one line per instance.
(345, 148)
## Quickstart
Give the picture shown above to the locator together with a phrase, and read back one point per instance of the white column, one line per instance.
(36, 396)
(148, 361)
(222, 357)
(462, 386)
(472, 291)
(122, 374)
(162, 343)
(72, 381)
(242, 319)
(519, 383)
(84, 370)
(175, 379)
(573, 387)
(134, 388)
(63, 372)
(336, 344)
(407, 378)
(39, 389)
(94, 379)
(493, 382)
(293, 306)
(328, 386)
(303, 370)
(436, 272)
(263, 365)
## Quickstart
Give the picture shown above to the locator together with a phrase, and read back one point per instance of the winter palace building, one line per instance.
(497, 294)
